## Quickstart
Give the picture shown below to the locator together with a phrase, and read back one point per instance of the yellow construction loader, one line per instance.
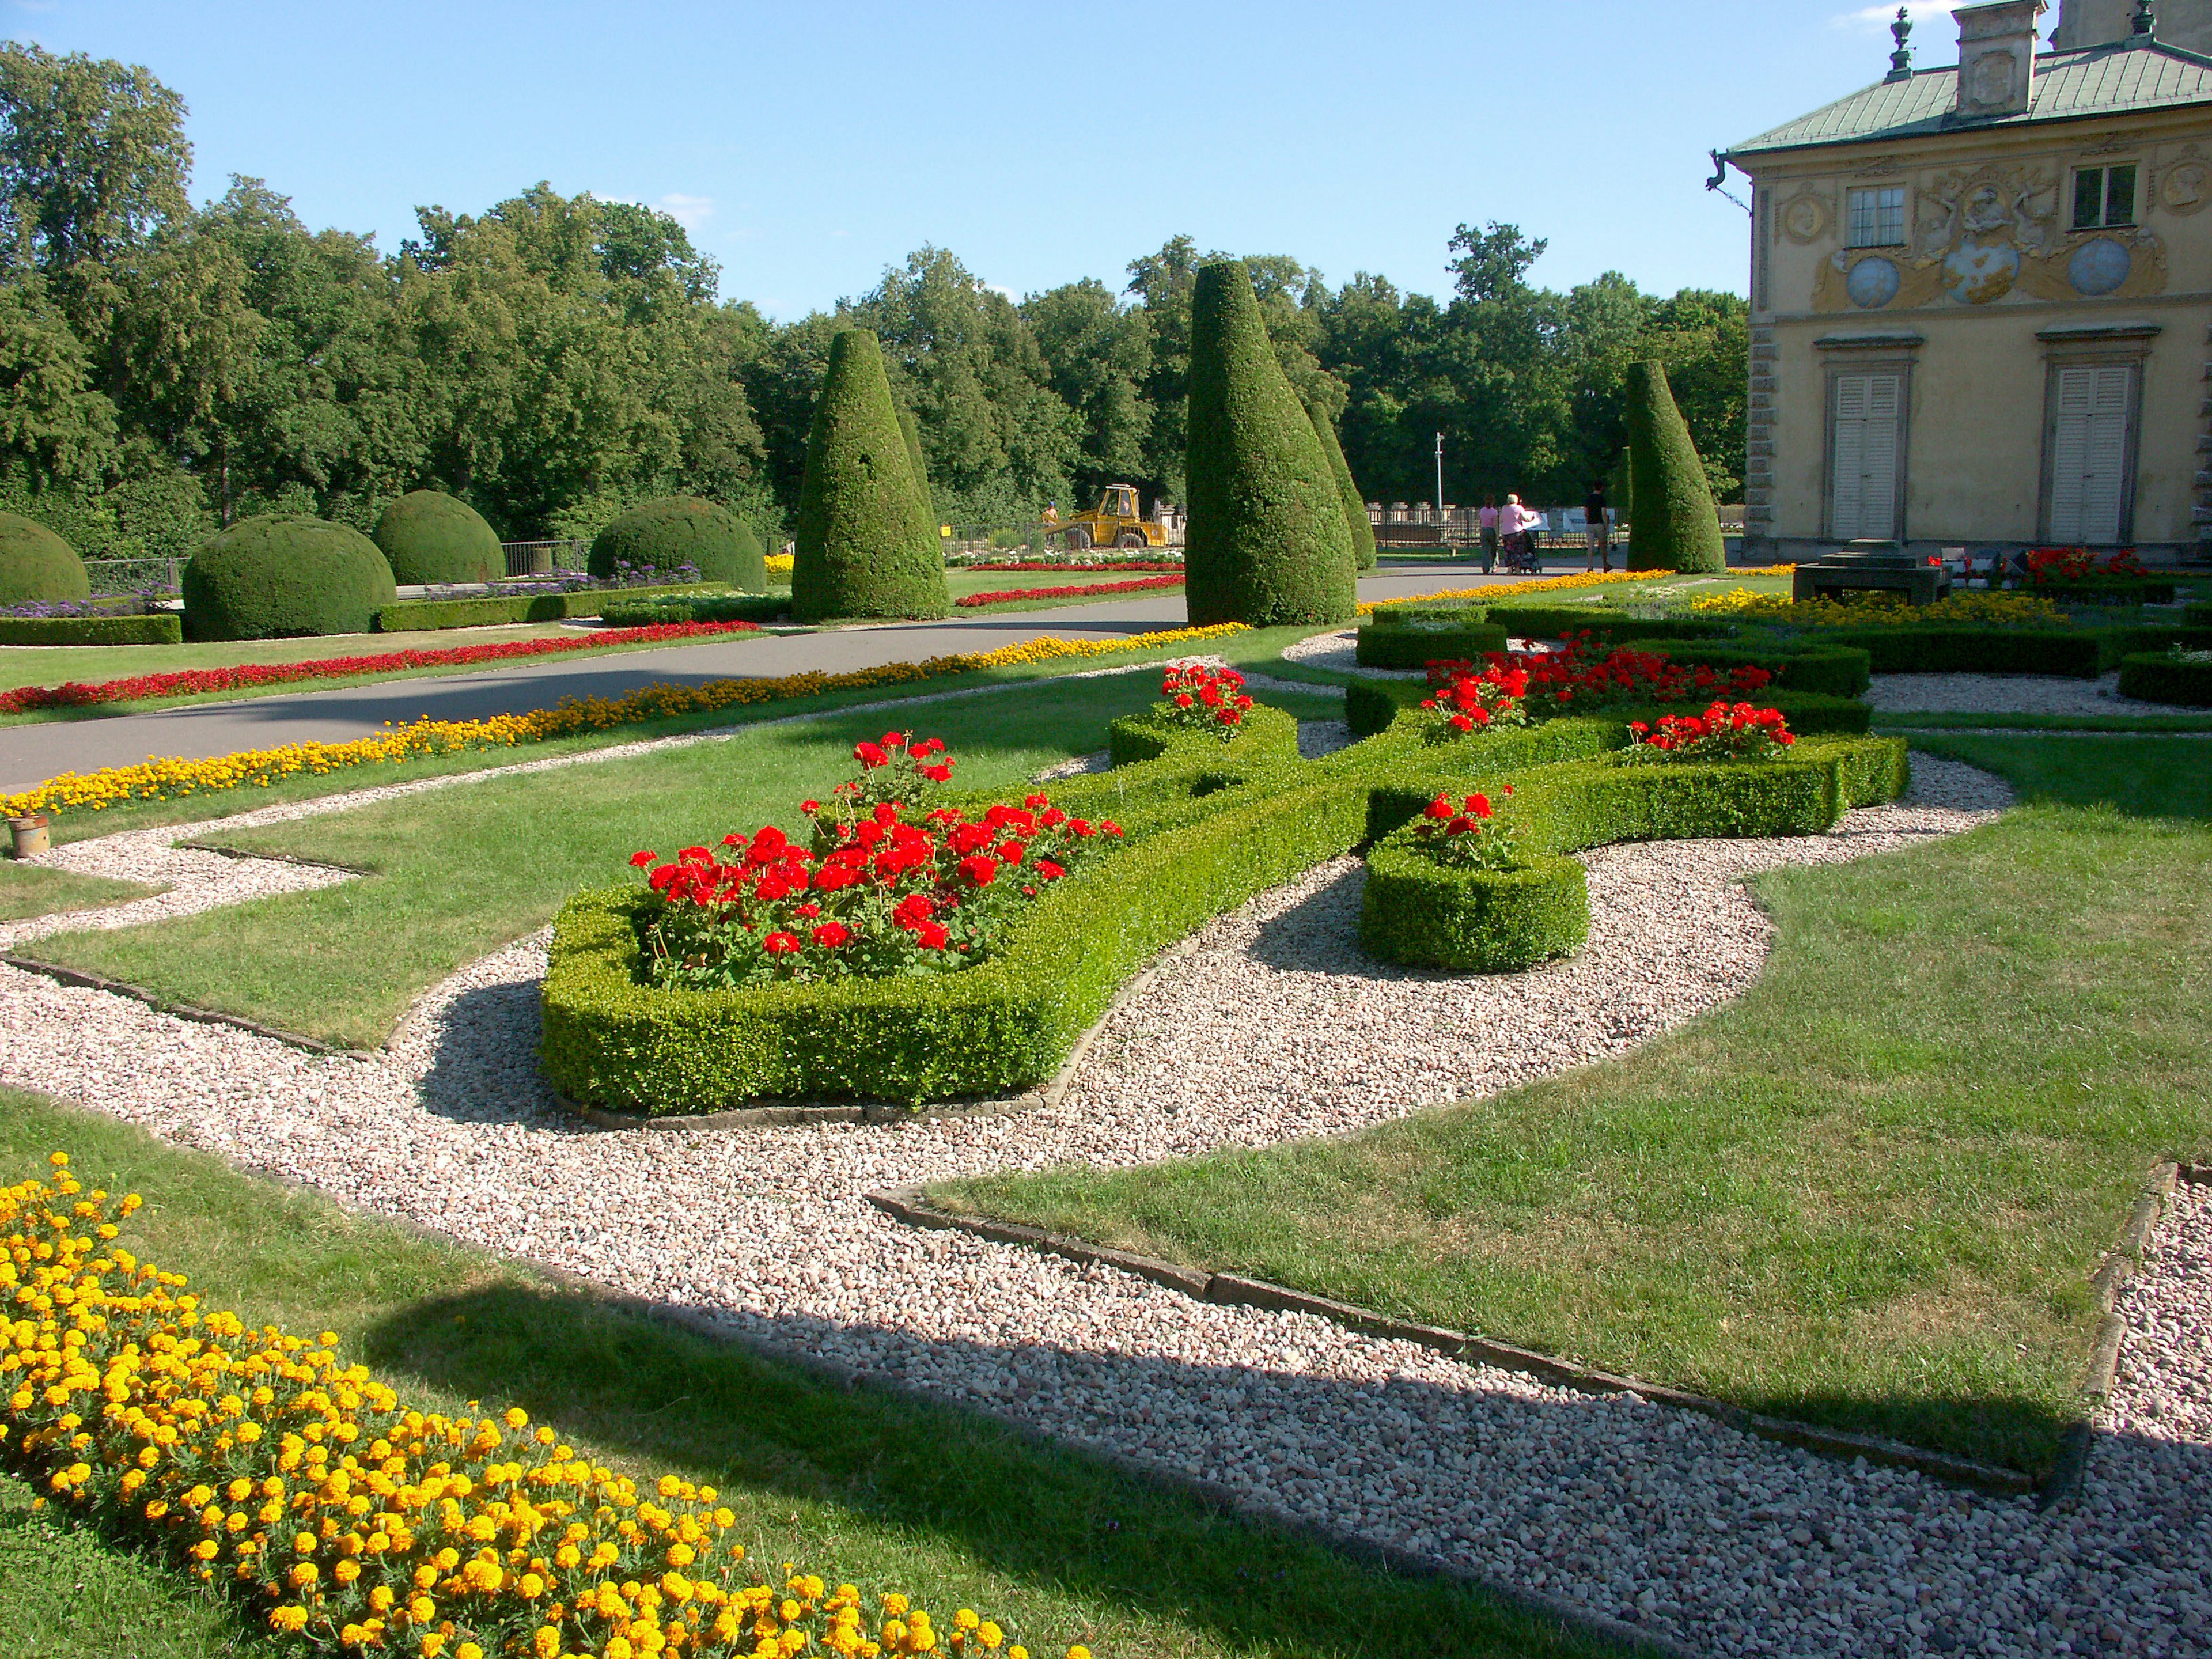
(1113, 523)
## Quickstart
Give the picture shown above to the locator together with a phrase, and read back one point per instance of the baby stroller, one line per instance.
(1518, 552)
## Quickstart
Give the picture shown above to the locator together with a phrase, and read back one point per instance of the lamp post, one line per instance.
(1440, 478)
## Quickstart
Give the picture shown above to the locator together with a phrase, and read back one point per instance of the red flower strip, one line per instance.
(971, 601)
(1114, 564)
(140, 687)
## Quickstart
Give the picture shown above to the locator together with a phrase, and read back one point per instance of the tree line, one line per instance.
(167, 369)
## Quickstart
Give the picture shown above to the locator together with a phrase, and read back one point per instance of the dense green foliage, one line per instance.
(675, 530)
(866, 547)
(493, 609)
(2158, 678)
(430, 536)
(1267, 542)
(1676, 525)
(280, 576)
(163, 628)
(1407, 637)
(1427, 914)
(36, 565)
(646, 611)
(1355, 505)
(167, 369)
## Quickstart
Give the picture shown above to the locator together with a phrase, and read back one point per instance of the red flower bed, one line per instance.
(1575, 679)
(2057, 566)
(1462, 701)
(1722, 733)
(185, 682)
(1078, 591)
(882, 888)
(1209, 699)
(1468, 834)
(1112, 564)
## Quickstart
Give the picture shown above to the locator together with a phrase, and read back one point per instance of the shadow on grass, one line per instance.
(2137, 776)
(1046, 1516)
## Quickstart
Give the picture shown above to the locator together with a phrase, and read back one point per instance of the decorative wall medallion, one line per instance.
(1872, 283)
(2186, 187)
(1805, 217)
(1976, 273)
(2099, 266)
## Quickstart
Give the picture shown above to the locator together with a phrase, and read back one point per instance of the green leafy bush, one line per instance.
(2166, 678)
(674, 531)
(1267, 542)
(1552, 622)
(2197, 613)
(1404, 637)
(37, 567)
(281, 577)
(1676, 527)
(1420, 912)
(1355, 507)
(493, 610)
(1834, 671)
(1908, 650)
(162, 628)
(428, 536)
(622, 611)
(865, 544)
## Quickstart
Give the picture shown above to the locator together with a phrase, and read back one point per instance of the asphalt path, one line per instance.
(33, 753)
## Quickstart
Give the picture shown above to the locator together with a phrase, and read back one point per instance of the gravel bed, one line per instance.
(2004, 694)
(1337, 654)
(1728, 1543)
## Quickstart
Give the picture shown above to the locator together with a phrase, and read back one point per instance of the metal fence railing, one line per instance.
(546, 558)
(111, 578)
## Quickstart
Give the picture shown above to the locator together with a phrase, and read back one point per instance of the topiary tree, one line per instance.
(1676, 527)
(282, 575)
(866, 546)
(914, 459)
(680, 530)
(1355, 507)
(1267, 541)
(36, 566)
(428, 536)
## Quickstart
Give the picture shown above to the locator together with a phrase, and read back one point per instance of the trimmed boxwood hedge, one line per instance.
(2112, 590)
(491, 610)
(284, 576)
(1372, 706)
(674, 531)
(36, 567)
(1406, 638)
(1675, 526)
(624, 613)
(2197, 613)
(1420, 912)
(1552, 622)
(1906, 650)
(2159, 678)
(1832, 671)
(428, 536)
(160, 628)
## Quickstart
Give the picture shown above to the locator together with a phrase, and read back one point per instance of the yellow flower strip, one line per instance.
(172, 778)
(263, 1463)
(1969, 610)
(779, 564)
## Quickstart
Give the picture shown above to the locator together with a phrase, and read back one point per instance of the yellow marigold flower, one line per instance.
(1079, 1651)
(304, 1574)
(288, 1619)
(989, 1635)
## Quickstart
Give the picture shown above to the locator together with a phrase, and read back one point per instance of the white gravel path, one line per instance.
(1728, 1543)
(2004, 693)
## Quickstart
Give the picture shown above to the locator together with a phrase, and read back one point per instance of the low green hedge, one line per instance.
(1424, 914)
(1370, 706)
(2110, 590)
(2197, 613)
(1829, 671)
(620, 612)
(1915, 650)
(1552, 622)
(160, 627)
(492, 610)
(2160, 678)
(1410, 637)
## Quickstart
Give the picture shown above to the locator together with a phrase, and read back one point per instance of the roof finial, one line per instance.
(1900, 61)
(2145, 23)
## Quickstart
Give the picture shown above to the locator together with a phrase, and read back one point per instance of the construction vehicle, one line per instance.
(1115, 522)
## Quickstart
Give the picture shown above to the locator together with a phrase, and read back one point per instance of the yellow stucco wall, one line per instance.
(1977, 201)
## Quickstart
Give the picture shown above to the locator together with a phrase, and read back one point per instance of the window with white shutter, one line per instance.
(2091, 406)
(1866, 425)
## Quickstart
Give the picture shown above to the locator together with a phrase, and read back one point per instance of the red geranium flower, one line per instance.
(639, 861)
(779, 945)
(831, 934)
(980, 870)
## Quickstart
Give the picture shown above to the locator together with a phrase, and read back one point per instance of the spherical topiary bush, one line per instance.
(283, 575)
(37, 566)
(681, 530)
(430, 536)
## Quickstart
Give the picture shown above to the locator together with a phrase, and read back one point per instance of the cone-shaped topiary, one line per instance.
(1676, 527)
(914, 459)
(674, 531)
(1355, 507)
(1266, 540)
(865, 544)
(36, 566)
(428, 536)
(284, 575)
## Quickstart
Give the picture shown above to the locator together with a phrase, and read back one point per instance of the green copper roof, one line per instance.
(2068, 86)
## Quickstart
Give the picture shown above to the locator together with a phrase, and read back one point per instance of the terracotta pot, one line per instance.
(30, 834)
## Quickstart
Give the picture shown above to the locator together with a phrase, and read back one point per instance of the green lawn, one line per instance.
(31, 890)
(458, 872)
(1868, 1194)
(1952, 719)
(887, 1491)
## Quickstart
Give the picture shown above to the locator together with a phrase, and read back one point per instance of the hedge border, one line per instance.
(1372, 706)
(620, 612)
(2158, 679)
(157, 628)
(1394, 645)
(490, 610)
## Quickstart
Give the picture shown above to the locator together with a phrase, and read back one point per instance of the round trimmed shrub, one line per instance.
(865, 544)
(680, 530)
(1267, 541)
(282, 576)
(36, 566)
(428, 536)
(1355, 507)
(1675, 526)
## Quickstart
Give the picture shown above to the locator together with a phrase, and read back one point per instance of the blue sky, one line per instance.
(807, 146)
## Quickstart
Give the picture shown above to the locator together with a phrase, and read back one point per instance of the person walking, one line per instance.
(1515, 533)
(1486, 528)
(1601, 531)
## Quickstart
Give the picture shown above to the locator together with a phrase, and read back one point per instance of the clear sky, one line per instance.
(808, 145)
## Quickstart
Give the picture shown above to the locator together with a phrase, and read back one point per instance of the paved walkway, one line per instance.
(31, 753)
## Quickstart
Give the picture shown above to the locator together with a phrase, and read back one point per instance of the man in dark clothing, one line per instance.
(1600, 532)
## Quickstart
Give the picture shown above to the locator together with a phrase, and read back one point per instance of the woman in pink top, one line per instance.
(1486, 523)
(1514, 521)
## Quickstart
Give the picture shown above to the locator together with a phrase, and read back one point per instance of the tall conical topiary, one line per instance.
(912, 433)
(1355, 507)
(865, 546)
(1676, 527)
(1267, 541)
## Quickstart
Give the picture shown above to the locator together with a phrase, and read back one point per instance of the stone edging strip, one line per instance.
(905, 1205)
(181, 1010)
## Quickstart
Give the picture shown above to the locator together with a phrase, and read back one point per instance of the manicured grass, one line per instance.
(31, 890)
(458, 872)
(884, 1491)
(1951, 719)
(1868, 1193)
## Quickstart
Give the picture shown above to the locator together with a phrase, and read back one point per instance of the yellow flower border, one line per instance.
(261, 1461)
(171, 779)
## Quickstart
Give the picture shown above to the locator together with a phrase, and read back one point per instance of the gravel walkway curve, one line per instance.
(1728, 1543)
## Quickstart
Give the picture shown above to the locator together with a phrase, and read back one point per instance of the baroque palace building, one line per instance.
(1981, 295)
